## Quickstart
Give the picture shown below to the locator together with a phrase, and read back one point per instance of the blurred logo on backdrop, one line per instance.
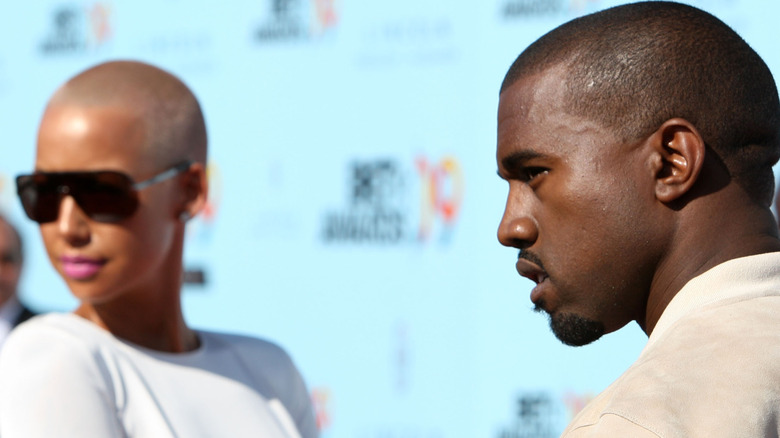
(297, 19)
(542, 414)
(3, 78)
(77, 28)
(321, 399)
(402, 357)
(416, 40)
(200, 229)
(189, 50)
(530, 8)
(391, 201)
(376, 211)
(441, 196)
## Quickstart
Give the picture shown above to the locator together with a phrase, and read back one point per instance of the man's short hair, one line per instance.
(635, 66)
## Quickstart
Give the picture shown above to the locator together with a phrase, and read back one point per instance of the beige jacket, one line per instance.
(711, 367)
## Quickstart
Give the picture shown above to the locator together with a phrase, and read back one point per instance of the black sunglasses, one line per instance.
(104, 195)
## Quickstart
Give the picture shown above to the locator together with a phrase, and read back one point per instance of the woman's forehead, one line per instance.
(73, 138)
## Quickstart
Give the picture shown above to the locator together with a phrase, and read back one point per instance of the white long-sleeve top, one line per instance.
(62, 376)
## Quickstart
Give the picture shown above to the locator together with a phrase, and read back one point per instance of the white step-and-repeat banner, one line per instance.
(354, 194)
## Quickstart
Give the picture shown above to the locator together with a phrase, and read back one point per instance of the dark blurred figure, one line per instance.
(12, 311)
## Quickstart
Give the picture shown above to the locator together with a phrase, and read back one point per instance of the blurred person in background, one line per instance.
(120, 168)
(12, 311)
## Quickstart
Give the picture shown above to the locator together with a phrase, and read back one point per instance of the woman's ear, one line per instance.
(195, 189)
(680, 150)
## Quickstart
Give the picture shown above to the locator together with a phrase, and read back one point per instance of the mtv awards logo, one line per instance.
(298, 19)
(76, 29)
(381, 209)
(542, 415)
(377, 212)
(441, 195)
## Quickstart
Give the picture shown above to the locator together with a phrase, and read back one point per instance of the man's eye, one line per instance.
(530, 173)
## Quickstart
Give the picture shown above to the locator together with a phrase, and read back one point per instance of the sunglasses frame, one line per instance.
(130, 188)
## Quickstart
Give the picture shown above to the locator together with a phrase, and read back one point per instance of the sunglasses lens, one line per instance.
(107, 196)
(103, 196)
(39, 197)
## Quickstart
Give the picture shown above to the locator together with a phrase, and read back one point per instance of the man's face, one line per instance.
(578, 210)
(10, 262)
(103, 261)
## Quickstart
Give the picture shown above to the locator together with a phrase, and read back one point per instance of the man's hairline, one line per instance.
(563, 67)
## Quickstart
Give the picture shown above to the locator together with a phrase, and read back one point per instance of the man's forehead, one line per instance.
(534, 94)
(535, 114)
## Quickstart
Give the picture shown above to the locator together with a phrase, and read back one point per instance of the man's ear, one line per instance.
(680, 151)
(195, 187)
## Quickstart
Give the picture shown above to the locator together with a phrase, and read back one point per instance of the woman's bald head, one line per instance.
(174, 125)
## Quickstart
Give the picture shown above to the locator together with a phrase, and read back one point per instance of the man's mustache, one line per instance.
(531, 257)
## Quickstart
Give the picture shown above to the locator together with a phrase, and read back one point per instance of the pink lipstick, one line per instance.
(80, 267)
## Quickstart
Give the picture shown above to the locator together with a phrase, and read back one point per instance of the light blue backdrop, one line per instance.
(355, 198)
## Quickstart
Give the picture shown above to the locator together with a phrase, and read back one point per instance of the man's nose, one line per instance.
(518, 227)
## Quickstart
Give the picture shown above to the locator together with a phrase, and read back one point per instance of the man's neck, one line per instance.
(742, 229)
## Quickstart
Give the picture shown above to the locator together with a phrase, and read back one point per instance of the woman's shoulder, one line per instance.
(54, 327)
(51, 338)
(51, 366)
(247, 346)
(48, 353)
(265, 359)
(269, 363)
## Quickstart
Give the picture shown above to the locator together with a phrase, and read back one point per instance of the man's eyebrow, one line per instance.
(516, 159)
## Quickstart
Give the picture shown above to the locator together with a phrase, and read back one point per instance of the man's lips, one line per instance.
(533, 272)
(81, 267)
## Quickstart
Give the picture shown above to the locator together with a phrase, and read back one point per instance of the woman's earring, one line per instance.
(184, 216)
